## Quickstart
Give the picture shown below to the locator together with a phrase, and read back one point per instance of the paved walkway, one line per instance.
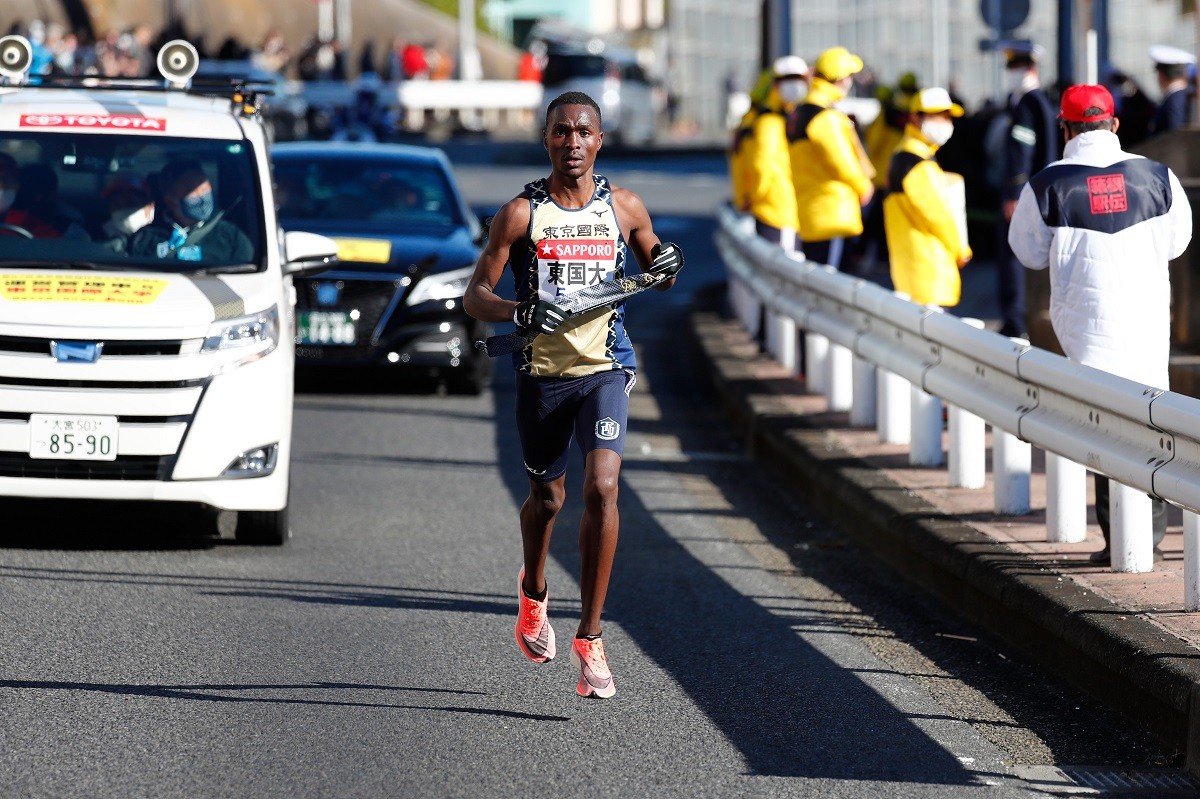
(1129, 628)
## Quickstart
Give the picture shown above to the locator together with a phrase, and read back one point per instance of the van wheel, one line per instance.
(263, 527)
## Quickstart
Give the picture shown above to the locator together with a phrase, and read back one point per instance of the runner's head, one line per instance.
(572, 135)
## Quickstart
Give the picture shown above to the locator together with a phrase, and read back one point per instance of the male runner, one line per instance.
(563, 233)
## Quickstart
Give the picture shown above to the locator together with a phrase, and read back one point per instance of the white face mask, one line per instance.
(938, 131)
(792, 90)
(1015, 78)
(132, 220)
(7, 196)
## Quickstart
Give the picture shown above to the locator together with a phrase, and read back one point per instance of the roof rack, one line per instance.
(177, 61)
(244, 93)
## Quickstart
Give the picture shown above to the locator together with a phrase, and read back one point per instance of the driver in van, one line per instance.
(187, 225)
(15, 221)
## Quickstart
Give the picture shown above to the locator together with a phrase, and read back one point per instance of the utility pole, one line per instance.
(469, 66)
(776, 27)
(1066, 42)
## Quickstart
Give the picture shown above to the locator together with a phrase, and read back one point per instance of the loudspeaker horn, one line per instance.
(16, 57)
(178, 61)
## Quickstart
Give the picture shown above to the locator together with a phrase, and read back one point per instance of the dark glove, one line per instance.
(668, 259)
(540, 315)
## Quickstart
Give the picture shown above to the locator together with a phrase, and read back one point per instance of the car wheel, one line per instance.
(263, 527)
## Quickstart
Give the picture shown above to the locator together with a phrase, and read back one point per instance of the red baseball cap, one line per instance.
(1076, 101)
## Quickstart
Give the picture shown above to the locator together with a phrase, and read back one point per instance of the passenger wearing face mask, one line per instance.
(16, 221)
(1031, 145)
(830, 168)
(770, 194)
(187, 225)
(924, 235)
(130, 208)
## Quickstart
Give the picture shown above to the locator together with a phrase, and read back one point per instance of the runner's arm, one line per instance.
(481, 300)
(639, 230)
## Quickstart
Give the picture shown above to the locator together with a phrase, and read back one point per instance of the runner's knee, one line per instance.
(600, 491)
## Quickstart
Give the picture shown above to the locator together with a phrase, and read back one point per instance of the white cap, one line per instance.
(1170, 56)
(789, 66)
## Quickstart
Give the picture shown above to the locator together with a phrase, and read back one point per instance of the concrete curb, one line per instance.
(1110, 652)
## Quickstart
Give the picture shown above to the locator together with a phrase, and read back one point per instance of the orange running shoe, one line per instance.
(594, 677)
(535, 636)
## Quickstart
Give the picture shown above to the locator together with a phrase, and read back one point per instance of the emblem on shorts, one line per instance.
(607, 429)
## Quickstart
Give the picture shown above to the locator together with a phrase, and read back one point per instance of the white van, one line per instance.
(145, 361)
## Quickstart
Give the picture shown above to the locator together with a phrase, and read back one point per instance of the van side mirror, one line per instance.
(308, 253)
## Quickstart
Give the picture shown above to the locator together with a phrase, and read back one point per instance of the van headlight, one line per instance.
(255, 335)
(442, 286)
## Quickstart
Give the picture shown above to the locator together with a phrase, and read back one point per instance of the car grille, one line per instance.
(370, 298)
(111, 348)
(125, 467)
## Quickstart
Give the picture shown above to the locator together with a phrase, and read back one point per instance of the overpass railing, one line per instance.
(892, 363)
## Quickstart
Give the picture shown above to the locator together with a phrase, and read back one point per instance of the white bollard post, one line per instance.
(840, 391)
(816, 362)
(894, 423)
(769, 330)
(926, 415)
(784, 336)
(968, 449)
(1066, 500)
(1132, 544)
(862, 408)
(1191, 561)
(967, 456)
(1012, 461)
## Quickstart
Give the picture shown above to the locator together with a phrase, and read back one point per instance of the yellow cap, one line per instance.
(934, 101)
(837, 63)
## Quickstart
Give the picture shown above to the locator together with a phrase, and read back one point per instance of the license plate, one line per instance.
(73, 438)
(325, 327)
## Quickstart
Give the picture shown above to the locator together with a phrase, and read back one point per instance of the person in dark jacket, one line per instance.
(187, 225)
(1172, 66)
(1031, 145)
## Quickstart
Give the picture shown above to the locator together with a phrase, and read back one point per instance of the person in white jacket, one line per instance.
(1105, 222)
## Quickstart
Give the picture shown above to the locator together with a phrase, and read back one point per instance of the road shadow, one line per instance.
(117, 525)
(787, 708)
(225, 694)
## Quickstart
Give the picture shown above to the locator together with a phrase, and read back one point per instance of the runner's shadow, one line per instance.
(209, 693)
(788, 709)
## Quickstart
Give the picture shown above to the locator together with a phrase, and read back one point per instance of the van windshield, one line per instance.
(129, 202)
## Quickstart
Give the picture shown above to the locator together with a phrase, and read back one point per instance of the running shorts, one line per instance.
(552, 411)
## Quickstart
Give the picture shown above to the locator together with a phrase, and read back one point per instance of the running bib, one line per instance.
(567, 265)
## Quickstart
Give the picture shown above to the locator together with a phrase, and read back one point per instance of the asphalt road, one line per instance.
(757, 651)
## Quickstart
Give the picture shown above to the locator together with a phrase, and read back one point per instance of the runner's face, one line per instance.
(573, 137)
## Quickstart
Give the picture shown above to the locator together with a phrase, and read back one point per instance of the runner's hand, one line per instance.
(668, 259)
(540, 315)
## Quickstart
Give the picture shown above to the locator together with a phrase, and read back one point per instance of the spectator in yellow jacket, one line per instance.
(742, 143)
(830, 168)
(924, 236)
(770, 195)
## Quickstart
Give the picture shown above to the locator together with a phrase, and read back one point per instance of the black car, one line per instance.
(407, 244)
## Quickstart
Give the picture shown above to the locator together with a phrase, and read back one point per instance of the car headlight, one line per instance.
(256, 335)
(442, 286)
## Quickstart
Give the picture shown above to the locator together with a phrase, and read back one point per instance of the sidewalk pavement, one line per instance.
(1122, 638)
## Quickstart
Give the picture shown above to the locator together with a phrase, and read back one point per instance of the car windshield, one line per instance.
(364, 195)
(82, 200)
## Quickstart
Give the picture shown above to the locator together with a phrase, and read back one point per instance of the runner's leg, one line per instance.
(538, 513)
(598, 533)
(600, 431)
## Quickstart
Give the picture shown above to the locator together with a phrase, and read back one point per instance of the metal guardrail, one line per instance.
(481, 104)
(860, 338)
